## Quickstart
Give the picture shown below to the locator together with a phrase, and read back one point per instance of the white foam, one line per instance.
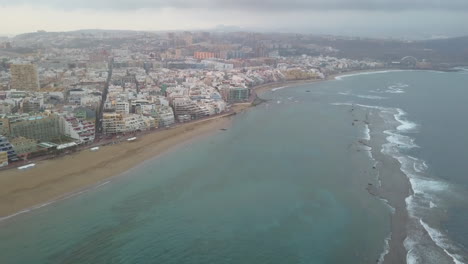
(25, 211)
(442, 242)
(391, 208)
(383, 109)
(462, 69)
(341, 77)
(278, 88)
(393, 89)
(418, 165)
(372, 97)
(102, 184)
(386, 249)
(406, 126)
(51, 202)
(426, 190)
(411, 256)
(367, 135)
(344, 93)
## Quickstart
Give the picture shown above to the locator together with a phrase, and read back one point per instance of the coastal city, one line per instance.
(63, 92)
(233, 131)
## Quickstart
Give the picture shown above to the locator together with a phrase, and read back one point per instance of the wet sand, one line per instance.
(57, 178)
(394, 187)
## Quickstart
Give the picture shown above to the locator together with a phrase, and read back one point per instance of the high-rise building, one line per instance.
(184, 107)
(24, 77)
(40, 128)
(81, 130)
(5, 146)
(236, 95)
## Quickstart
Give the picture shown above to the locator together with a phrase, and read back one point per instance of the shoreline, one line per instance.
(53, 180)
(259, 89)
(59, 178)
(62, 177)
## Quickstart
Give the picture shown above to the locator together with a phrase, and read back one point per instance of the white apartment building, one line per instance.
(83, 131)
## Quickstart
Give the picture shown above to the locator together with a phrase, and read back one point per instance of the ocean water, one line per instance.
(430, 140)
(286, 183)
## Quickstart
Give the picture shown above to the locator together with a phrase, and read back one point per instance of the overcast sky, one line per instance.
(382, 18)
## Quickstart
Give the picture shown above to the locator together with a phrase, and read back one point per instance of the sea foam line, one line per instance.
(52, 202)
(441, 241)
(341, 77)
(372, 97)
(278, 88)
(386, 249)
(367, 132)
(423, 188)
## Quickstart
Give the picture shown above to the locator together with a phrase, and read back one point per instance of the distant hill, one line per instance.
(450, 50)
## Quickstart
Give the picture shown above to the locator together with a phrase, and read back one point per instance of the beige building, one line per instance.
(24, 77)
(3, 158)
(114, 123)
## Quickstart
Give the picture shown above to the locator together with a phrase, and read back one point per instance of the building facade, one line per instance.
(115, 123)
(24, 145)
(81, 130)
(3, 158)
(200, 55)
(5, 146)
(236, 95)
(184, 107)
(40, 128)
(24, 77)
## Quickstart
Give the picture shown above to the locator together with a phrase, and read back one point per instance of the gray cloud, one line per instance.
(250, 5)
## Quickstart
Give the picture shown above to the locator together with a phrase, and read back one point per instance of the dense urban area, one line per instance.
(61, 92)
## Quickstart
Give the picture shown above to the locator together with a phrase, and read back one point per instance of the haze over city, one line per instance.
(412, 19)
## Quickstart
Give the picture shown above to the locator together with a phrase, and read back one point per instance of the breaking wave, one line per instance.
(426, 191)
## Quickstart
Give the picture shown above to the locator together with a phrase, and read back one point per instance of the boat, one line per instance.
(94, 149)
(132, 139)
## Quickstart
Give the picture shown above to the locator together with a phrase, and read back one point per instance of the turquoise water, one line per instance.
(284, 184)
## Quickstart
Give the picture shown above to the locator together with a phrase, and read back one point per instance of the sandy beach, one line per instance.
(55, 179)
